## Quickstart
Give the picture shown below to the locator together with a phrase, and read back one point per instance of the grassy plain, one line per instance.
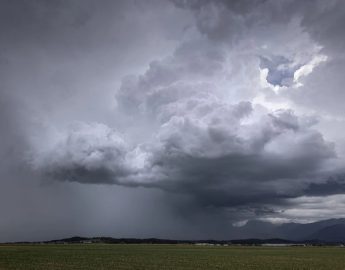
(144, 256)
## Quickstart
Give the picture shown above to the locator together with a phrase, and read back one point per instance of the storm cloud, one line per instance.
(219, 110)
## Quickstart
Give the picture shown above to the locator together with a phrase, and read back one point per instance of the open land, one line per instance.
(151, 256)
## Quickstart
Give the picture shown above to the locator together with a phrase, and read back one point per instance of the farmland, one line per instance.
(149, 256)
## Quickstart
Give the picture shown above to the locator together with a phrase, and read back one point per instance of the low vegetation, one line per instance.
(150, 256)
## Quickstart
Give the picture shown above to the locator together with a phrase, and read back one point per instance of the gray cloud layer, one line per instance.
(234, 106)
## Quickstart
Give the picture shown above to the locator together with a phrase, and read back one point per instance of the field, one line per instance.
(102, 256)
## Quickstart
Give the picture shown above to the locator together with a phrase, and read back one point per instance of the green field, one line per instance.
(102, 256)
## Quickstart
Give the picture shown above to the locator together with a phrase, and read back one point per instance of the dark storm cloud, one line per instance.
(219, 113)
(334, 185)
(60, 63)
(220, 153)
(224, 153)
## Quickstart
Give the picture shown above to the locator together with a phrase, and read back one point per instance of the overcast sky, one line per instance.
(172, 119)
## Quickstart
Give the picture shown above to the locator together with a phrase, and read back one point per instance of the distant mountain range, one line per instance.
(331, 231)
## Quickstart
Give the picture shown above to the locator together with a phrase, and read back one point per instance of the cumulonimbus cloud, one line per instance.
(207, 136)
(222, 152)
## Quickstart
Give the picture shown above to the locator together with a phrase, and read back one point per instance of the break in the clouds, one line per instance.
(220, 110)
